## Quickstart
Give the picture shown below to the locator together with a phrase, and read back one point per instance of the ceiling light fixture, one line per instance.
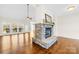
(71, 8)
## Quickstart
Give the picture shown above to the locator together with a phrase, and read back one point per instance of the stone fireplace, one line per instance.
(44, 35)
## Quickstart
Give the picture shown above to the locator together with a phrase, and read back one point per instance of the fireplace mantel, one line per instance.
(46, 24)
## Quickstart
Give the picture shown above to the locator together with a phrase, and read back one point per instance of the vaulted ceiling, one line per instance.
(59, 9)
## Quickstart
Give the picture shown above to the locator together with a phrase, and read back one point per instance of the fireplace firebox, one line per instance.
(48, 32)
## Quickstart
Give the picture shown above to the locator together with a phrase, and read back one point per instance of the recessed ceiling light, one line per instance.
(71, 8)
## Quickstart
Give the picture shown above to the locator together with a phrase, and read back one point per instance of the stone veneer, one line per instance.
(40, 30)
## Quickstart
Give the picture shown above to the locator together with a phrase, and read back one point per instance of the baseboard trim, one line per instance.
(67, 37)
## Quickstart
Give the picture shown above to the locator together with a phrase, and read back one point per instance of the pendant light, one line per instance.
(28, 17)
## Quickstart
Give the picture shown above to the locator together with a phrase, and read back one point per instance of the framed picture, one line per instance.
(48, 18)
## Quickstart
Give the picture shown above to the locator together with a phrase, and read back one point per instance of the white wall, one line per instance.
(68, 25)
(15, 11)
(41, 11)
(15, 14)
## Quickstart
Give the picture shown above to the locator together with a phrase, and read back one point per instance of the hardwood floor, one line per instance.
(62, 46)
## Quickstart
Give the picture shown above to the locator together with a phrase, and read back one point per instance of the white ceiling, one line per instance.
(19, 11)
(59, 9)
